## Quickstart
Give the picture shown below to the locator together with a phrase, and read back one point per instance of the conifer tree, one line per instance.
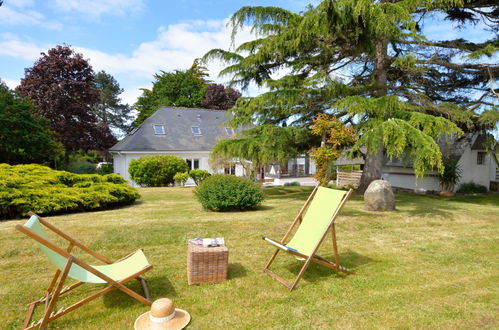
(368, 63)
(109, 109)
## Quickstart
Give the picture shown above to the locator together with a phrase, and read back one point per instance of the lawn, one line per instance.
(432, 263)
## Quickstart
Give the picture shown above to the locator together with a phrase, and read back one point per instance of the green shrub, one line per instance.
(40, 189)
(472, 188)
(198, 175)
(181, 178)
(156, 171)
(105, 169)
(451, 174)
(228, 192)
(294, 183)
(81, 167)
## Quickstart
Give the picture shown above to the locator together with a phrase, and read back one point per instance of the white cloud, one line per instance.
(130, 95)
(96, 8)
(11, 83)
(175, 47)
(24, 17)
(13, 47)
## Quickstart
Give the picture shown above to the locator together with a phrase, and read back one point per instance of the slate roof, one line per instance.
(179, 137)
(481, 142)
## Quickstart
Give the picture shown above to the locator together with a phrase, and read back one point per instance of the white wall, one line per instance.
(470, 172)
(404, 178)
(473, 172)
(493, 168)
(122, 160)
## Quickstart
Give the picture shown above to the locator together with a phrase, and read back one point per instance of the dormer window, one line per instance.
(196, 130)
(229, 131)
(159, 129)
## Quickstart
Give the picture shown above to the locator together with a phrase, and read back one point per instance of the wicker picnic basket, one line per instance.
(206, 264)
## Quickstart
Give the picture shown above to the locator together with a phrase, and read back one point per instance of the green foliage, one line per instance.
(198, 175)
(450, 175)
(292, 184)
(181, 178)
(105, 169)
(81, 167)
(368, 64)
(178, 88)
(110, 110)
(335, 137)
(489, 50)
(156, 171)
(24, 137)
(228, 192)
(40, 189)
(260, 145)
(472, 188)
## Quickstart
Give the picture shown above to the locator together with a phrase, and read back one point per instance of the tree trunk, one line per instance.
(372, 170)
(374, 162)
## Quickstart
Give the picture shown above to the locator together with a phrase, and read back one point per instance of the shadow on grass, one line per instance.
(423, 205)
(264, 208)
(350, 259)
(491, 199)
(288, 192)
(235, 270)
(159, 286)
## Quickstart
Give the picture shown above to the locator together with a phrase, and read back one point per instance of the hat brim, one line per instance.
(180, 321)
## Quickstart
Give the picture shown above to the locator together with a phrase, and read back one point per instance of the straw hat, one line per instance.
(163, 315)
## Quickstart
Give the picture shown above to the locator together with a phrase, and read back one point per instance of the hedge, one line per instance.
(228, 192)
(157, 170)
(40, 189)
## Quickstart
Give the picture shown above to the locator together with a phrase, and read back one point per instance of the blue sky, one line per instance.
(133, 39)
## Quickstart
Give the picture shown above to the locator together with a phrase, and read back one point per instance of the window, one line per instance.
(196, 130)
(230, 169)
(193, 163)
(159, 129)
(480, 158)
(229, 131)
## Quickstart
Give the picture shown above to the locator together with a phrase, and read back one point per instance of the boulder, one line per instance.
(379, 196)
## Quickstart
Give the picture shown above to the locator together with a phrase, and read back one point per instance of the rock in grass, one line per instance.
(379, 196)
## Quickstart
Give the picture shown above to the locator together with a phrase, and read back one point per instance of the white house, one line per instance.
(186, 133)
(476, 163)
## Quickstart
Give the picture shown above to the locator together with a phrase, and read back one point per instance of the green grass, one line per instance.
(432, 263)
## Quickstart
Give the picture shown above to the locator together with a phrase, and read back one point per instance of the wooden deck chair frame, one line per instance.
(55, 288)
(313, 257)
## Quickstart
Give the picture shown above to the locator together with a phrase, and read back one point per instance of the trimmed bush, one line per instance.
(472, 188)
(40, 189)
(181, 178)
(156, 171)
(198, 175)
(81, 167)
(228, 192)
(292, 184)
(105, 169)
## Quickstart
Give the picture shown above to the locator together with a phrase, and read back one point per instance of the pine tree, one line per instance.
(368, 63)
(109, 110)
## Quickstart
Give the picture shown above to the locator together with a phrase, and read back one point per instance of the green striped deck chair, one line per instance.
(115, 274)
(315, 219)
